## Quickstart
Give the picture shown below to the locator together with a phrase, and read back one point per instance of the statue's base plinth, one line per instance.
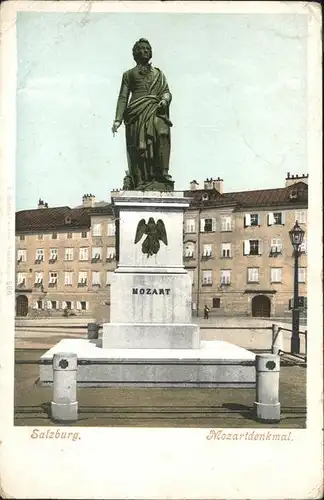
(163, 185)
(150, 336)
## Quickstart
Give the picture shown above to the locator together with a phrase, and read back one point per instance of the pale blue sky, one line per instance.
(239, 99)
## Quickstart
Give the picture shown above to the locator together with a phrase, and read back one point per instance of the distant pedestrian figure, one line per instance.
(206, 312)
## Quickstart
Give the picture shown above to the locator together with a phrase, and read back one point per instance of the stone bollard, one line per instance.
(93, 331)
(64, 405)
(277, 339)
(267, 406)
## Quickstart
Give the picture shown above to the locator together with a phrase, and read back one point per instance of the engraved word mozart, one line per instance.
(151, 291)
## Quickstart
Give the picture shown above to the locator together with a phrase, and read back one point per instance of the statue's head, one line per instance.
(142, 51)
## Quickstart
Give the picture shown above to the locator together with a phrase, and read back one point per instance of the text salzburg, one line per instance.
(151, 291)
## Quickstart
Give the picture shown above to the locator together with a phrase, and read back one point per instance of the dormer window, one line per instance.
(67, 220)
(293, 195)
(205, 197)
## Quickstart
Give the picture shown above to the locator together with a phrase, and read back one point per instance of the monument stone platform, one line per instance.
(214, 364)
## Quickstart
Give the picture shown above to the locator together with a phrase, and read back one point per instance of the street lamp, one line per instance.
(296, 235)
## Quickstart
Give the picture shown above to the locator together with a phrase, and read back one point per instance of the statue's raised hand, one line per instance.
(115, 126)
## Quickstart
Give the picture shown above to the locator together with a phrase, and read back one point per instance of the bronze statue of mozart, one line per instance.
(143, 105)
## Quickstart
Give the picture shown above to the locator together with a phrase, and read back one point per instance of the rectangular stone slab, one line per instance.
(150, 336)
(214, 364)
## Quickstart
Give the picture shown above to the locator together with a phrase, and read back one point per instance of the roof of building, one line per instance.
(57, 218)
(63, 218)
(295, 193)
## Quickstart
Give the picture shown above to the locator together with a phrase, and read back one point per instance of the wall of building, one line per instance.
(236, 297)
(86, 299)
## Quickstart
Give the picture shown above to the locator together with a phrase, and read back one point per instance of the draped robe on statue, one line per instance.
(147, 128)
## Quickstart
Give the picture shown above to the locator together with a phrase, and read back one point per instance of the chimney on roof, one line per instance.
(218, 184)
(293, 179)
(41, 204)
(88, 200)
(193, 185)
(208, 183)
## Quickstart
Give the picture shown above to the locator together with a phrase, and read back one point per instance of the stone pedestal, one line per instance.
(150, 341)
(150, 294)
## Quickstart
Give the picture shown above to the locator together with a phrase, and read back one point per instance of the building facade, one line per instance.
(236, 249)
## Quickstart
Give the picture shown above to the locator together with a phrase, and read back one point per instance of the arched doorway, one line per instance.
(261, 306)
(21, 305)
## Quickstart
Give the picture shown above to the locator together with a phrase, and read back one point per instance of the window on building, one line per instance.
(54, 236)
(52, 304)
(68, 253)
(21, 279)
(83, 278)
(68, 278)
(40, 237)
(96, 229)
(111, 229)
(207, 250)
(84, 253)
(96, 280)
(226, 223)
(84, 234)
(208, 225)
(226, 250)
(189, 250)
(216, 302)
(302, 275)
(52, 278)
(253, 275)
(276, 218)
(276, 246)
(82, 305)
(252, 247)
(39, 304)
(39, 255)
(275, 274)
(39, 278)
(111, 253)
(108, 277)
(69, 236)
(207, 277)
(251, 220)
(22, 255)
(300, 216)
(225, 276)
(22, 237)
(190, 226)
(96, 254)
(67, 304)
(53, 254)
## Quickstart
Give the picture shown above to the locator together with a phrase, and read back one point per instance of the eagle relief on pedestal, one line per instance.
(155, 232)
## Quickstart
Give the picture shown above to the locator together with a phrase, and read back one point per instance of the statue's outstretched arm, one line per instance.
(122, 98)
(121, 102)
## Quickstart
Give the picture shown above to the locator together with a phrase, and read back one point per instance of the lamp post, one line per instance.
(296, 235)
